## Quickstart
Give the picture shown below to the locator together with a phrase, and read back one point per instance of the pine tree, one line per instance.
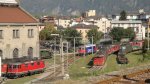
(123, 15)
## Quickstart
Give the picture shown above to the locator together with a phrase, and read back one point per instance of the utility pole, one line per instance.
(67, 59)
(84, 49)
(74, 49)
(55, 53)
(92, 45)
(148, 35)
(55, 57)
(62, 56)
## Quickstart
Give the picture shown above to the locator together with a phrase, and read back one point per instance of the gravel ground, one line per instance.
(107, 76)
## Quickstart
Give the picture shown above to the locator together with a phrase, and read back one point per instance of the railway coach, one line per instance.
(137, 45)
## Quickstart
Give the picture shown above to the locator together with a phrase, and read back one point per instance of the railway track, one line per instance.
(133, 76)
(50, 70)
(95, 68)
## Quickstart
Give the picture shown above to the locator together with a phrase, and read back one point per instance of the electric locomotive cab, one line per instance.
(14, 70)
(121, 59)
(99, 59)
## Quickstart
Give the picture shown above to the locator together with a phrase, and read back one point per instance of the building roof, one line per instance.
(63, 17)
(15, 14)
(83, 26)
(126, 22)
(93, 17)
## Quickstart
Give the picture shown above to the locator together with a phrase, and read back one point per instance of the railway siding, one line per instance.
(129, 75)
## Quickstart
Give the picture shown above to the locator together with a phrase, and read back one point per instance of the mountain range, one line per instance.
(76, 7)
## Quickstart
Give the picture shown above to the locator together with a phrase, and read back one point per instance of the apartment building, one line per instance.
(137, 26)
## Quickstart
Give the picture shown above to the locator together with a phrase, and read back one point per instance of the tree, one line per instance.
(129, 33)
(69, 32)
(45, 34)
(118, 33)
(123, 15)
(95, 33)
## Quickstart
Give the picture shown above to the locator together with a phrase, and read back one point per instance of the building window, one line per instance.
(15, 53)
(30, 33)
(15, 33)
(1, 54)
(1, 34)
(30, 52)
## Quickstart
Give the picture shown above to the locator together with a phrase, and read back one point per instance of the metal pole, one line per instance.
(92, 46)
(84, 48)
(105, 27)
(67, 58)
(62, 56)
(54, 52)
(55, 57)
(148, 36)
(74, 49)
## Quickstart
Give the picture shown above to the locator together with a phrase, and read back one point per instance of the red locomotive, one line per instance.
(107, 46)
(14, 68)
(105, 50)
(4, 69)
(99, 60)
(87, 49)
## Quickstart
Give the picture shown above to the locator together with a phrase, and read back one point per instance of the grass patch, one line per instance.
(21, 80)
(79, 69)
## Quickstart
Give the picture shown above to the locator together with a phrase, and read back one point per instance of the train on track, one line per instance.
(87, 49)
(19, 67)
(120, 49)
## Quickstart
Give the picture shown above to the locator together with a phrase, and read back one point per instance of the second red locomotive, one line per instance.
(14, 68)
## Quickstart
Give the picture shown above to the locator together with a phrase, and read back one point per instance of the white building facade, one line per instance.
(103, 24)
(19, 33)
(137, 26)
(91, 13)
(65, 23)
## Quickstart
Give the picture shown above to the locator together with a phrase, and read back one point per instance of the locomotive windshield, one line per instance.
(9, 66)
(14, 66)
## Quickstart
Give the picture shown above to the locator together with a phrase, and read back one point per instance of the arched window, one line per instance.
(15, 53)
(30, 52)
(1, 54)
